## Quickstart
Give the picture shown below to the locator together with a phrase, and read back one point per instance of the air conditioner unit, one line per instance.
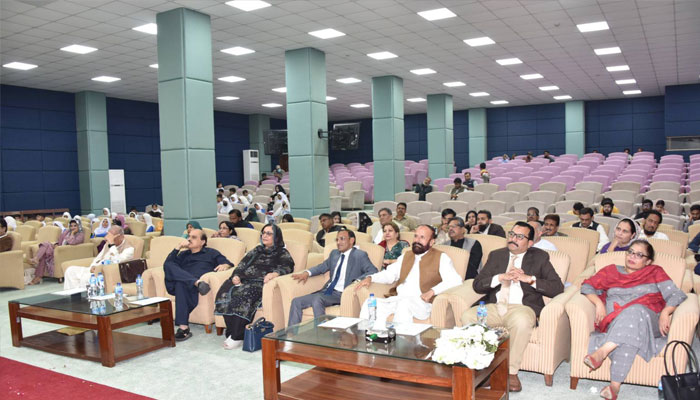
(251, 165)
(117, 193)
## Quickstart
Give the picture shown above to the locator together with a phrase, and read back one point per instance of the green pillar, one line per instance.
(441, 153)
(305, 74)
(477, 136)
(186, 112)
(93, 152)
(387, 137)
(257, 124)
(575, 120)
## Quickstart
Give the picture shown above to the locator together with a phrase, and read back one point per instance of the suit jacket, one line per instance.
(358, 267)
(475, 254)
(535, 263)
(496, 230)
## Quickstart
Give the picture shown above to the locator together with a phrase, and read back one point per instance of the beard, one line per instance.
(418, 248)
(649, 233)
(482, 227)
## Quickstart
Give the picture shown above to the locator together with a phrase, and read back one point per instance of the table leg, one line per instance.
(271, 369)
(104, 332)
(166, 323)
(15, 324)
(499, 376)
(462, 383)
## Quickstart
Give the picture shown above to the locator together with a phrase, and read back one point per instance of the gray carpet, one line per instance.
(200, 365)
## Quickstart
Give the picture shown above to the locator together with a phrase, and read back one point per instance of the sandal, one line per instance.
(607, 393)
(592, 363)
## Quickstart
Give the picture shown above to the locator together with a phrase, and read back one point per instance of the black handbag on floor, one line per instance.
(683, 386)
(252, 340)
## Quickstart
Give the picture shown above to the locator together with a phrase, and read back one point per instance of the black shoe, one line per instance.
(182, 334)
(203, 288)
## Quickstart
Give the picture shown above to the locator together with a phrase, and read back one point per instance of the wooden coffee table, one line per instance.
(100, 342)
(349, 367)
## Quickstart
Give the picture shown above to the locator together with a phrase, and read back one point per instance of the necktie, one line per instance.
(504, 293)
(338, 268)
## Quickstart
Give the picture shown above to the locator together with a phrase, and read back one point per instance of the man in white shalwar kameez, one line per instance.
(422, 274)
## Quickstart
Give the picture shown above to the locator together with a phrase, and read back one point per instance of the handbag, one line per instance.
(129, 270)
(252, 340)
(684, 386)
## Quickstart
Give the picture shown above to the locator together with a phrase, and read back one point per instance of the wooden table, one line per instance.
(346, 374)
(101, 342)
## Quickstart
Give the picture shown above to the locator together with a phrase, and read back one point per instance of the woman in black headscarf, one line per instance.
(364, 222)
(239, 297)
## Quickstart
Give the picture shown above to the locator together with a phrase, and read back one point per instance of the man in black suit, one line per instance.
(485, 226)
(346, 264)
(327, 226)
(514, 281)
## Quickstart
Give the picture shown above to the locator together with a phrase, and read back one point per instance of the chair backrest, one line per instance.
(561, 262)
(459, 257)
(16, 240)
(473, 197)
(667, 247)
(626, 195)
(384, 204)
(693, 230)
(675, 186)
(427, 217)
(232, 249)
(663, 194)
(436, 199)
(626, 185)
(406, 197)
(564, 206)
(584, 196)
(501, 219)
(523, 188)
(488, 244)
(138, 228)
(674, 266)
(557, 187)
(407, 236)
(522, 206)
(258, 226)
(136, 243)
(545, 196)
(298, 235)
(458, 206)
(250, 237)
(27, 232)
(359, 238)
(418, 207)
(595, 187)
(160, 247)
(48, 233)
(589, 235)
(578, 251)
(375, 252)
(496, 207)
(293, 225)
(509, 197)
(675, 235)
(487, 189)
(299, 253)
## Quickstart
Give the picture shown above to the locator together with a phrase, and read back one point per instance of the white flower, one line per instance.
(491, 338)
(467, 345)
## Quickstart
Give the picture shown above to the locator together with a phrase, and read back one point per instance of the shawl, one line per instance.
(394, 252)
(66, 215)
(11, 223)
(106, 212)
(148, 220)
(609, 277)
(195, 225)
(102, 231)
(122, 221)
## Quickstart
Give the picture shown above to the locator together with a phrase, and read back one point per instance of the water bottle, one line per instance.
(94, 307)
(139, 287)
(93, 286)
(372, 305)
(100, 284)
(661, 391)
(481, 313)
(103, 307)
(118, 296)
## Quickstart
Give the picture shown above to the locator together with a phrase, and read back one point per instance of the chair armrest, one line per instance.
(554, 322)
(154, 282)
(461, 299)
(581, 317)
(585, 274)
(379, 290)
(684, 319)
(12, 269)
(556, 307)
(61, 254)
(112, 276)
(216, 279)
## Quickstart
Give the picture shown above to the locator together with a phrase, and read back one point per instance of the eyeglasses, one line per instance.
(267, 233)
(519, 236)
(636, 254)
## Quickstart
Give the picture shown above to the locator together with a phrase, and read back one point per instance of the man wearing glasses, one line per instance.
(514, 281)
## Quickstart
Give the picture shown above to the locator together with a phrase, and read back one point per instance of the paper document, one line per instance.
(70, 292)
(409, 329)
(150, 300)
(341, 322)
(105, 297)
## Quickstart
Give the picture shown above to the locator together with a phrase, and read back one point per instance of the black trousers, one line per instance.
(235, 326)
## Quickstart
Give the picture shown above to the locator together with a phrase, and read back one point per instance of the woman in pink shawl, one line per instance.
(44, 256)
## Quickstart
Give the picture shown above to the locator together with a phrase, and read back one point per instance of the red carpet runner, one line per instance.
(24, 381)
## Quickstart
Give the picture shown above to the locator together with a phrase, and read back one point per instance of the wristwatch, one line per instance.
(533, 280)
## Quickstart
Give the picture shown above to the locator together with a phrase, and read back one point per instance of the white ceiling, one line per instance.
(660, 41)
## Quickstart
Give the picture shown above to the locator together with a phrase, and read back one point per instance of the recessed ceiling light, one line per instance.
(231, 79)
(280, 90)
(480, 41)
(423, 71)
(19, 65)
(79, 49)
(360, 105)
(607, 50)
(329, 33)
(154, 66)
(272, 105)
(382, 55)
(625, 81)
(330, 98)
(548, 88)
(227, 98)
(509, 61)
(593, 26)
(248, 5)
(438, 13)
(478, 94)
(454, 84)
(237, 51)
(151, 29)
(416, 99)
(348, 80)
(616, 68)
(628, 92)
(499, 102)
(528, 77)
(562, 97)
(107, 79)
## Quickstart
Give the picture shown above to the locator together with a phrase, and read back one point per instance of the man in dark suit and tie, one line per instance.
(514, 281)
(346, 265)
(485, 226)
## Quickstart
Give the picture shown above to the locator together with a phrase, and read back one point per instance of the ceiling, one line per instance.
(660, 41)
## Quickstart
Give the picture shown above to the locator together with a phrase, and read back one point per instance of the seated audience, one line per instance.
(327, 225)
(337, 219)
(287, 218)
(226, 230)
(245, 197)
(694, 217)
(650, 225)
(420, 274)
(5, 239)
(148, 220)
(253, 212)
(240, 297)
(103, 228)
(116, 250)
(183, 272)
(43, 260)
(233, 196)
(345, 265)
(505, 159)
(236, 217)
(629, 155)
(485, 226)
(457, 230)
(586, 221)
(633, 304)
(647, 205)
(470, 220)
(548, 156)
(468, 182)
(457, 189)
(384, 218)
(391, 243)
(538, 242)
(443, 230)
(189, 227)
(364, 222)
(40, 218)
(607, 207)
(515, 279)
(403, 219)
(551, 225)
(626, 231)
(484, 173)
(661, 206)
(576, 209)
(225, 207)
(156, 211)
(533, 214)
(424, 188)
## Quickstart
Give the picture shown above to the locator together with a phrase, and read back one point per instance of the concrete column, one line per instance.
(257, 124)
(305, 74)
(441, 153)
(186, 112)
(93, 152)
(387, 137)
(477, 136)
(575, 120)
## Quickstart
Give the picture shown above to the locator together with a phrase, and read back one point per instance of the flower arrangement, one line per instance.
(472, 345)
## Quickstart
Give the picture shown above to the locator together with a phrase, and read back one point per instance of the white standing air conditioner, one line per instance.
(251, 165)
(117, 194)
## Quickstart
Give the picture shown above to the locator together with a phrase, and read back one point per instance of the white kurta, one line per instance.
(76, 277)
(407, 304)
